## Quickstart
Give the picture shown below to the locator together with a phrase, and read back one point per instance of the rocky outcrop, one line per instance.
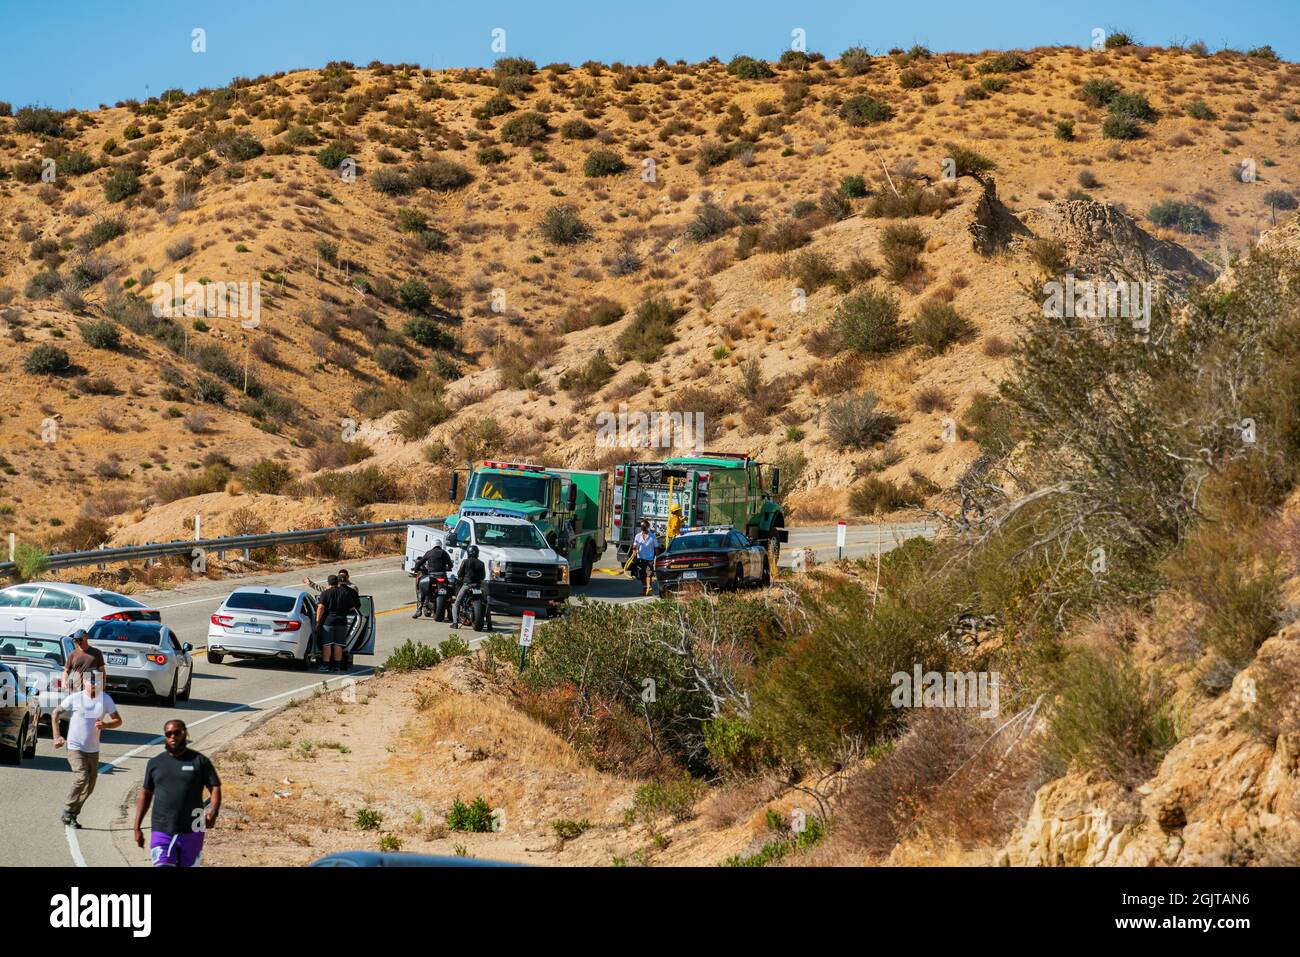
(1227, 794)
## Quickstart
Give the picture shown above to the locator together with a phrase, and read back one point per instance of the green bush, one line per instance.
(710, 222)
(863, 110)
(1065, 130)
(868, 323)
(490, 155)
(475, 817)
(967, 162)
(567, 829)
(332, 156)
(390, 182)
(856, 61)
(38, 120)
(938, 325)
(103, 231)
(358, 488)
(990, 423)
(47, 359)
(428, 333)
(1119, 126)
(239, 148)
(101, 333)
(900, 246)
(1197, 109)
(747, 68)
(1280, 199)
(1098, 92)
(853, 186)
(453, 647)
(577, 130)
(603, 163)
(562, 226)
(879, 496)
(1131, 104)
(267, 475)
(395, 362)
(414, 295)
(31, 562)
(1184, 217)
(589, 378)
(498, 105)
(121, 184)
(440, 175)
(673, 798)
(43, 284)
(412, 656)
(1009, 62)
(856, 422)
(1109, 717)
(650, 330)
(525, 129)
(367, 819)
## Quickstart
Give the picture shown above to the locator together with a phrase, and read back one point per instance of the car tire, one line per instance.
(14, 756)
(30, 751)
(185, 694)
(215, 657)
(169, 699)
(583, 575)
(766, 578)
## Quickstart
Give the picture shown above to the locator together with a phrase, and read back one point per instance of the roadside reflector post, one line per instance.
(526, 637)
(247, 556)
(841, 528)
(198, 528)
(12, 537)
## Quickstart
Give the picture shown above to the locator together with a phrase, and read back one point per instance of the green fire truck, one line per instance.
(567, 506)
(713, 488)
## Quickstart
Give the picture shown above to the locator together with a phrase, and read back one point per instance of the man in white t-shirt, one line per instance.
(90, 712)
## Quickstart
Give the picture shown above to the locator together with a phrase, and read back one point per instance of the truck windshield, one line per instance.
(508, 536)
(525, 489)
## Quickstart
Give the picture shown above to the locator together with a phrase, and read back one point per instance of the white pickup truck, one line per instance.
(523, 572)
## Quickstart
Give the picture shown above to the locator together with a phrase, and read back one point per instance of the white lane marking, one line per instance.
(75, 846)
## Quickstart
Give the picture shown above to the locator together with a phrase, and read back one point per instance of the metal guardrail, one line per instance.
(244, 543)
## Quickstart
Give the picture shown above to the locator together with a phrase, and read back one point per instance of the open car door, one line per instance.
(361, 639)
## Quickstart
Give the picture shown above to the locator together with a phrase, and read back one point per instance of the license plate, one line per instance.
(690, 576)
(251, 629)
(116, 659)
(533, 594)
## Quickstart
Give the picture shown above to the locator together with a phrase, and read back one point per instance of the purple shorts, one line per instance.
(175, 850)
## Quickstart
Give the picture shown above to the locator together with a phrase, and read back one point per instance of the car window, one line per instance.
(739, 540)
(176, 645)
(508, 536)
(462, 533)
(21, 597)
(124, 631)
(37, 649)
(62, 600)
(260, 601)
(686, 543)
(116, 600)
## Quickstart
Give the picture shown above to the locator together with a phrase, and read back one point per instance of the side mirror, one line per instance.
(776, 481)
(187, 647)
(455, 484)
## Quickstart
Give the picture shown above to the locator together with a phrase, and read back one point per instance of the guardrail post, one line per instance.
(221, 554)
(362, 540)
(102, 567)
(247, 557)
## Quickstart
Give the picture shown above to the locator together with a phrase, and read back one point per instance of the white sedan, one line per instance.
(58, 608)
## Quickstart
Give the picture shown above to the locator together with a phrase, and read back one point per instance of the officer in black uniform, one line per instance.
(432, 562)
(471, 572)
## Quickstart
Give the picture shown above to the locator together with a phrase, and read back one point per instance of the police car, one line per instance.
(714, 556)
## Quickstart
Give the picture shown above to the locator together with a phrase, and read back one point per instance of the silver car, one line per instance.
(59, 608)
(39, 662)
(144, 658)
(261, 621)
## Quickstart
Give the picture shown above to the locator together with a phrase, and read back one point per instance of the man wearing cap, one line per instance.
(89, 712)
(84, 658)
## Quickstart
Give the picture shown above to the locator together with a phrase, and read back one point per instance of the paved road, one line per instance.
(227, 698)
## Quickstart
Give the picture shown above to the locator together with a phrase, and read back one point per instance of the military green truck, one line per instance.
(713, 488)
(568, 506)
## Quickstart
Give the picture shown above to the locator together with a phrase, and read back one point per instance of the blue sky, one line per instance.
(80, 53)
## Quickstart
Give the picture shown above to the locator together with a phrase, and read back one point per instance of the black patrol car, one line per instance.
(713, 556)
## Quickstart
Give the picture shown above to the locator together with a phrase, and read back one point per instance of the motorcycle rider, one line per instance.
(433, 562)
(471, 572)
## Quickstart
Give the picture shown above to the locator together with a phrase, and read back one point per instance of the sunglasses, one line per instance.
(173, 734)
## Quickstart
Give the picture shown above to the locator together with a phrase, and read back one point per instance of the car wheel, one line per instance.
(169, 699)
(189, 683)
(215, 657)
(14, 756)
(30, 750)
(583, 575)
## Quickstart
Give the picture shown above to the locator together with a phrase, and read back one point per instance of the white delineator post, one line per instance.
(526, 637)
(841, 530)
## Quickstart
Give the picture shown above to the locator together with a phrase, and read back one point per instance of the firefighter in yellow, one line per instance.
(674, 523)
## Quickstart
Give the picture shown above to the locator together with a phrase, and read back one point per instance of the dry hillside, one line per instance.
(523, 248)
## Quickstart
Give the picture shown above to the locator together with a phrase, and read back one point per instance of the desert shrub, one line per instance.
(101, 333)
(577, 130)
(358, 488)
(603, 163)
(1280, 199)
(390, 182)
(710, 155)
(856, 61)
(1108, 716)
(30, 561)
(441, 175)
(588, 378)
(513, 66)
(428, 333)
(1197, 109)
(562, 226)
(650, 330)
(864, 110)
(395, 361)
(84, 534)
(239, 148)
(911, 200)
(181, 248)
(333, 155)
(912, 79)
(990, 423)
(103, 231)
(812, 270)
(47, 359)
(748, 68)
(1008, 62)
(120, 184)
(1182, 216)
(868, 323)
(938, 325)
(968, 162)
(266, 475)
(1064, 130)
(498, 105)
(1098, 92)
(900, 246)
(854, 186)
(1121, 126)
(38, 120)
(412, 656)
(490, 155)
(710, 222)
(475, 817)
(414, 295)
(856, 421)
(1049, 254)
(422, 406)
(525, 129)
(600, 312)
(211, 478)
(1131, 104)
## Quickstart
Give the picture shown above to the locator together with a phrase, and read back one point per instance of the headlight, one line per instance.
(497, 569)
(564, 574)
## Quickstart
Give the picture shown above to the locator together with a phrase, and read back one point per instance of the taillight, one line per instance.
(288, 625)
(224, 621)
(157, 659)
(117, 616)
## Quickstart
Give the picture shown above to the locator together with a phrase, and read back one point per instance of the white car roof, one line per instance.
(269, 590)
(69, 587)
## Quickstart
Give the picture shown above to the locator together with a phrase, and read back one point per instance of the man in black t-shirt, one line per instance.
(332, 622)
(173, 784)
